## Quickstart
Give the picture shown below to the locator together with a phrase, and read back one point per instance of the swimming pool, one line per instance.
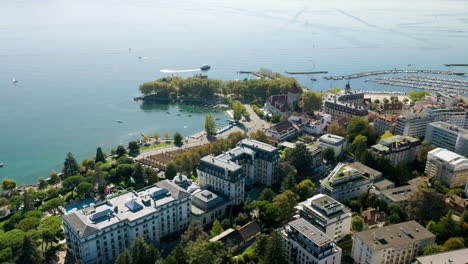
(80, 205)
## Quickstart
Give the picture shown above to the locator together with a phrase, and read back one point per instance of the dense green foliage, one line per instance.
(210, 125)
(178, 139)
(311, 101)
(418, 95)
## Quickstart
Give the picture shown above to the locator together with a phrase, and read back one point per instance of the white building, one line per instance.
(347, 181)
(445, 135)
(397, 149)
(306, 244)
(448, 167)
(317, 127)
(327, 214)
(283, 131)
(266, 162)
(99, 233)
(337, 143)
(413, 125)
(458, 256)
(208, 206)
(398, 243)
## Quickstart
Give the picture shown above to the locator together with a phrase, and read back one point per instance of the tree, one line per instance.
(216, 229)
(238, 110)
(210, 125)
(133, 148)
(426, 200)
(139, 175)
(387, 134)
(300, 157)
(100, 156)
(84, 189)
(275, 250)
(226, 223)
(284, 117)
(178, 139)
(418, 95)
(146, 137)
(421, 157)
(360, 126)
(70, 166)
(212, 252)
(28, 252)
(28, 201)
(394, 218)
(433, 249)
(54, 178)
(304, 189)
(454, 243)
(72, 182)
(120, 151)
(286, 202)
(311, 101)
(50, 230)
(377, 101)
(260, 135)
(8, 184)
(170, 171)
(405, 100)
(266, 194)
(42, 183)
(242, 219)
(28, 223)
(143, 253)
(194, 232)
(359, 146)
(167, 135)
(329, 155)
(337, 130)
(124, 257)
(53, 205)
(288, 183)
(357, 224)
(385, 100)
(156, 136)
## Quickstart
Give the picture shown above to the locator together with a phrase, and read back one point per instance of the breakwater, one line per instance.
(307, 72)
(364, 74)
(426, 83)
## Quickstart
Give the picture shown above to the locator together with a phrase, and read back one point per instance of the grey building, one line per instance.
(445, 135)
(397, 149)
(413, 125)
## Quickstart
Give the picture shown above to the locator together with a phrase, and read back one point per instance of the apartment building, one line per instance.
(266, 162)
(327, 214)
(306, 244)
(384, 123)
(448, 167)
(413, 125)
(337, 143)
(391, 244)
(399, 195)
(445, 135)
(397, 149)
(98, 234)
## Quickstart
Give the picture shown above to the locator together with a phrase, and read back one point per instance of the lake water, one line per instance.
(77, 76)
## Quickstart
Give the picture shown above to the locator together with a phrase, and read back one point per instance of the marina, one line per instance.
(426, 83)
(364, 74)
(309, 72)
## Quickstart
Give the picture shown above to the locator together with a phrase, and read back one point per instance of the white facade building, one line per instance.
(327, 214)
(306, 244)
(395, 244)
(448, 167)
(445, 135)
(337, 143)
(98, 234)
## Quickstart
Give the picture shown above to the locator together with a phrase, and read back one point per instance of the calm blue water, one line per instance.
(77, 75)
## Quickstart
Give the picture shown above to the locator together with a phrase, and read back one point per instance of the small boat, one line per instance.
(1, 164)
(119, 121)
(205, 67)
(189, 115)
(313, 79)
(178, 114)
(168, 112)
(14, 80)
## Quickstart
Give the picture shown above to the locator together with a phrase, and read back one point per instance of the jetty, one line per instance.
(257, 74)
(307, 72)
(448, 65)
(430, 83)
(365, 74)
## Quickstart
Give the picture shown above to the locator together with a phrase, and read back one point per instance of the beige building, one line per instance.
(392, 244)
(448, 167)
(399, 195)
(459, 256)
(397, 149)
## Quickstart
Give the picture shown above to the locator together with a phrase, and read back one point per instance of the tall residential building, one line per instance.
(337, 143)
(306, 244)
(266, 162)
(344, 181)
(413, 125)
(398, 243)
(98, 234)
(397, 149)
(383, 123)
(445, 135)
(327, 214)
(223, 176)
(448, 167)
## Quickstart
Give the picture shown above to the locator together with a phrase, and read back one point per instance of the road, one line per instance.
(248, 127)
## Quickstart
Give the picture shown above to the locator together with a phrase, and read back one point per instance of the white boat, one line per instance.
(14, 80)
(118, 121)
(205, 67)
(1, 164)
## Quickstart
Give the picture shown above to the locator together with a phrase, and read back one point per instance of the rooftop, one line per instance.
(384, 184)
(332, 139)
(447, 126)
(455, 160)
(311, 232)
(396, 235)
(453, 257)
(402, 193)
(282, 127)
(395, 143)
(125, 207)
(258, 145)
(221, 163)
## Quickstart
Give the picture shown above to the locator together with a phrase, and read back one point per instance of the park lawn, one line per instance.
(157, 145)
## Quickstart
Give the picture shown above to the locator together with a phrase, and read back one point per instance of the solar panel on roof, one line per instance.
(133, 206)
(159, 194)
(99, 215)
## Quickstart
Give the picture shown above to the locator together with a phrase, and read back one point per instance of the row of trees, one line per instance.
(197, 87)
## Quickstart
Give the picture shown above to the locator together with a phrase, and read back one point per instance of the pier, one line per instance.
(308, 72)
(448, 65)
(364, 74)
(426, 83)
(257, 74)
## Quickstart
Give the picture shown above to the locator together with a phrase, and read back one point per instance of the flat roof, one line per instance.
(310, 231)
(396, 235)
(257, 144)
(221, 163)
(332, 139)
(459, 256)
(400, 193)
(448, 156)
